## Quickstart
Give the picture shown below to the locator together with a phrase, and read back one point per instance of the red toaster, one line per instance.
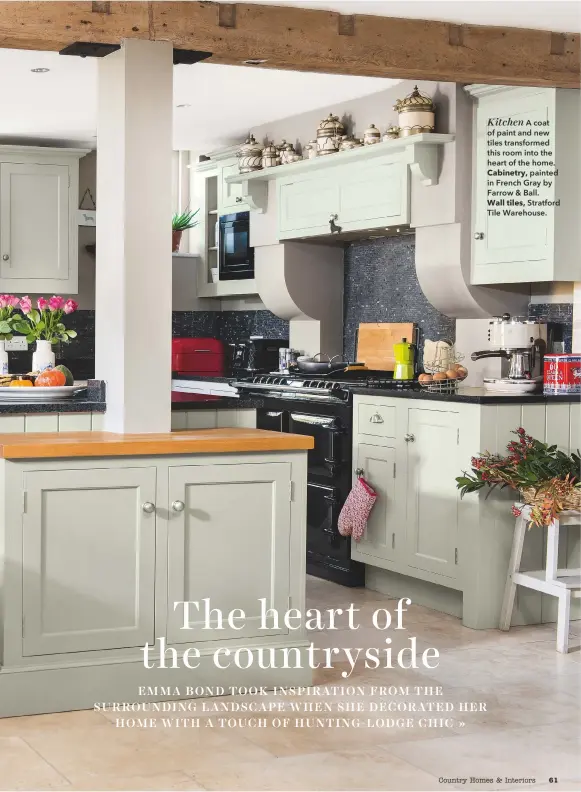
(198, 356)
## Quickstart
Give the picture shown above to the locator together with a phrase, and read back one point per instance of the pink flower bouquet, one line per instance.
(45, 321)
(8, 302)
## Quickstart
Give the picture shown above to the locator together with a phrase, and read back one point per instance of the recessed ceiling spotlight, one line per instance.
(40, 70)
(255, 61)
(184, 105)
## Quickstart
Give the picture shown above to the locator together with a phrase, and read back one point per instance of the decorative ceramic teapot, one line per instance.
(371, 135)
(415, 113)
(288, 154)
(392, 133)
(250, 156)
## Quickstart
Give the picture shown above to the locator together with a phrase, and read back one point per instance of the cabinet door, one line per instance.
(305, 207)
(510, 244)
(230, 197)
(378, 465)
(236, 519)
(373, 194)
(88, 558)
(432, 497)
(34, 226)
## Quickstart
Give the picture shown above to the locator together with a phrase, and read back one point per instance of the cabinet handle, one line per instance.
(359, 472)
(178, 506)
(409, 438)
(376, 418)
(479, 235)
(6, 257)
(148, 507)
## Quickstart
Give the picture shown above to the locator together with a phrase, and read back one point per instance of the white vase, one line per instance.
(43, 356)
(3, 358)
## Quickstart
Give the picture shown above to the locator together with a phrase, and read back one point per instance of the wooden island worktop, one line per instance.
(42, 445)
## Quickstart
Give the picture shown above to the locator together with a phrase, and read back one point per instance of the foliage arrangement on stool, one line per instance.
(548, 479)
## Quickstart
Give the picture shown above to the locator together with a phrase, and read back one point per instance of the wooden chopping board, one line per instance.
(375, 342)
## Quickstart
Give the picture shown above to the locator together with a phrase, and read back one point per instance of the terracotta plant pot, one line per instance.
(176, 238)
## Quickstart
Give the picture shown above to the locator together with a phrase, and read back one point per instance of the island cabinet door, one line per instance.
(228, 543)
(378, 467)
(432, 498)
(88, 545)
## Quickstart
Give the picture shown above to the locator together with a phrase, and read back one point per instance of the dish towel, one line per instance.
(356, 510)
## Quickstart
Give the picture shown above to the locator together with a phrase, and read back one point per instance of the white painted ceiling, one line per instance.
(226, 101)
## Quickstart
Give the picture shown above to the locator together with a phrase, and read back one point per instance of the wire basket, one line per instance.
(440, 366)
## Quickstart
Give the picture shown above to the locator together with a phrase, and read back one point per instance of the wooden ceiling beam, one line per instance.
(307, 40)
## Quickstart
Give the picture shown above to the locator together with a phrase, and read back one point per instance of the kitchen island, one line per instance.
(100, 534)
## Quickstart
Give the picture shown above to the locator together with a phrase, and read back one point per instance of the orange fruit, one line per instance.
(20, 383)
(50, 378)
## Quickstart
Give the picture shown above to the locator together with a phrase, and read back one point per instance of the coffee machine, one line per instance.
(255, 355)
(521, 345)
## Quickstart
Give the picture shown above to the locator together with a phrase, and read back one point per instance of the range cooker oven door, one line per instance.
(324, 542)
(325, 460)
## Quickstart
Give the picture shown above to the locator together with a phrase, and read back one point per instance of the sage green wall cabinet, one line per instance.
(425, 542)
(229, 513)
(43, 184)
(88, 554)
(230, 198)
(432, 462)
(512, 244)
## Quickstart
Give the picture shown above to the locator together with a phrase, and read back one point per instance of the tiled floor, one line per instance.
(530, 729)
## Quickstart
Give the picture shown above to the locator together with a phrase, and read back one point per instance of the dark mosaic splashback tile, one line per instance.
(381, 286)
(234, 325)
(560, 314)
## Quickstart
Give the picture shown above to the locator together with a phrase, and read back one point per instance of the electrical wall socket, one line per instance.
(17, 344)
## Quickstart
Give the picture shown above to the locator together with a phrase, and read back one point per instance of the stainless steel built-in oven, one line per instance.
(236, 259)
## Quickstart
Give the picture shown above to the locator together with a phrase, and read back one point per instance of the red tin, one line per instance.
(562, 374)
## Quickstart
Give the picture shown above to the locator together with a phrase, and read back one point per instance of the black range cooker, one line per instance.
(323, 409)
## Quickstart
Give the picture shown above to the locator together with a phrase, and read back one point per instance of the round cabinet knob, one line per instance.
(148, 507)
(5, 257)
(409, 438)
(178, 506)
(479, 235)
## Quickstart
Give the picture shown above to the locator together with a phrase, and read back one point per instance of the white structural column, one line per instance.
(134, 264)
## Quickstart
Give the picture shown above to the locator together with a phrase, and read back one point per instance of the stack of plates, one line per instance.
(39, 394)
(513, 387)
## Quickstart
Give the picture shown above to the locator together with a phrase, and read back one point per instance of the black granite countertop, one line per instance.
(470, 396)
(90, 399)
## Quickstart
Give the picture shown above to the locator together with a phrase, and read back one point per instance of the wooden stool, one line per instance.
(561, 583)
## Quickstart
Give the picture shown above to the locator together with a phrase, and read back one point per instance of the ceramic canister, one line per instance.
(371, 135)
(415, 113)
(250, 156)
(310, 150)
(329, 132)
(562, 374)
(270, 156)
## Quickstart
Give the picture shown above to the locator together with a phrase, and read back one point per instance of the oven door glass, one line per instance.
(236, 255)
(325, 459)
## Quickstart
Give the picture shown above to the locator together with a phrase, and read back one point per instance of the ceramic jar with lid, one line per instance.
(288, 154)
(392, 133)
(371, 135)
(270, 156)
(330, 131)
(310, 149)
(250, 156)
(349, 142)
(415, 113)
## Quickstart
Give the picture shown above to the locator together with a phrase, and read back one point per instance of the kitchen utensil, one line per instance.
(405, 353)
(375, 342)
(318, 367)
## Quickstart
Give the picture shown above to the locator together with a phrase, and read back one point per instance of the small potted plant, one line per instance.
(45, 326)
(547, 479)
(8, 302)
(179, 224)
